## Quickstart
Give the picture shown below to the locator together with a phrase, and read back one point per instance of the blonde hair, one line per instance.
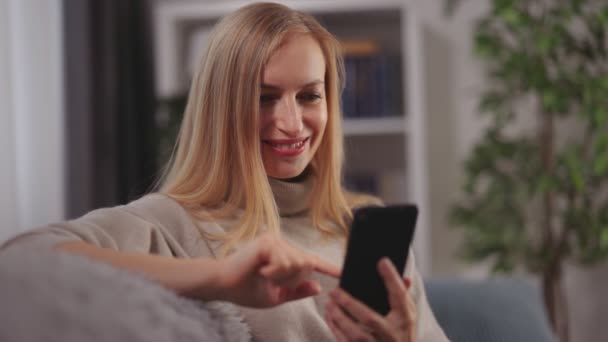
(217, 167)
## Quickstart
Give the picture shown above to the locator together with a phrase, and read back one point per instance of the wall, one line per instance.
(8, 205)
(454, 81)
(31, 105)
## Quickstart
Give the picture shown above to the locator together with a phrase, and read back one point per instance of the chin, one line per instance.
(285, 173)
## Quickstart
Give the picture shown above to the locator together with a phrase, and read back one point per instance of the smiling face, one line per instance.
(293, 107)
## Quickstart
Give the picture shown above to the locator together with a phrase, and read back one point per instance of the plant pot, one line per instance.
(587, 300)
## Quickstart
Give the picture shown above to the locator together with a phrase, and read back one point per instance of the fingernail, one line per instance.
(383, 264)
(407, 282)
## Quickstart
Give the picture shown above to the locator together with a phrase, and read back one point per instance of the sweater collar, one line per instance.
(292, 196)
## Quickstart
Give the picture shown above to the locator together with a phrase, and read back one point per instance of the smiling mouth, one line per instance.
(287, 147)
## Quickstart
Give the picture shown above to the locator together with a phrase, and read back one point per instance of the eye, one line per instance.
(267, 99)
(311, 97)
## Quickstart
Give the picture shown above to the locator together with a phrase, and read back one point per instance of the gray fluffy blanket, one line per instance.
(51, 296)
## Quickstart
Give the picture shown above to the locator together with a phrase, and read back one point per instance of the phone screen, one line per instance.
(376, 232)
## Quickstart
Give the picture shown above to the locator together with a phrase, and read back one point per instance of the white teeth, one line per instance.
(288, 146)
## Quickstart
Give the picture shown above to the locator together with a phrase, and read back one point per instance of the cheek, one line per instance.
(265, 125)
(324, 119)
(321, 122)
(318, 126)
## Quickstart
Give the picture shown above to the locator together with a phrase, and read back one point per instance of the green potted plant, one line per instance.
(538, 197)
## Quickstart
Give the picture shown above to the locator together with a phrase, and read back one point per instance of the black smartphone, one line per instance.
(376, 232)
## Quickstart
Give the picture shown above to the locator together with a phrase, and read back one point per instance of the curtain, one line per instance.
(109, 103)
(31, 115)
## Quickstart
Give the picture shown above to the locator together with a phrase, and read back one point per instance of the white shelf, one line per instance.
(185, 10)
(375, 126)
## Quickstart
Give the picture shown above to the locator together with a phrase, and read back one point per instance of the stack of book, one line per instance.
(373, 81)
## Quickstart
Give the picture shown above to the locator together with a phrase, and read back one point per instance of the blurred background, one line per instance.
(91, 94)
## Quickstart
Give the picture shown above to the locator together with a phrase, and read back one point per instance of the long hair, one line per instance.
(216, 168)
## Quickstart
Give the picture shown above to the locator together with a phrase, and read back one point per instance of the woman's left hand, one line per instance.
(351, 320)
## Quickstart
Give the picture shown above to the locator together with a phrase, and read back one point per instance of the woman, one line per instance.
(252, 210)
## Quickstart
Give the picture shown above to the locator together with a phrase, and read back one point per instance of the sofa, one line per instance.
(47, 296)
(497, 310)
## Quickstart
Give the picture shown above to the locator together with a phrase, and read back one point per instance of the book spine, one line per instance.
(365, 86)
(396, 104)
(349, 97)
(373, 82)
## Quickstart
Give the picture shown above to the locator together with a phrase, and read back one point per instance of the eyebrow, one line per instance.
(274, 87)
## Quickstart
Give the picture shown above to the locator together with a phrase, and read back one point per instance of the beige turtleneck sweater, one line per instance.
(156, 224)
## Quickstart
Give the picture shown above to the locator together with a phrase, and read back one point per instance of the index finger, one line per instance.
(325, 267)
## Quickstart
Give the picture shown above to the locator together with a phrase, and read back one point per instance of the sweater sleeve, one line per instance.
(427, 326)
(115, 228)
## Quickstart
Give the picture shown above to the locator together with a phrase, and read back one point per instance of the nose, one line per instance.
(289, 117)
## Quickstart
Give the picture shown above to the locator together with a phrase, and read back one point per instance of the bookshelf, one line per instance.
(385, 152)
(375, 126)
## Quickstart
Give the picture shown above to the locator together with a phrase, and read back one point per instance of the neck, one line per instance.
(292, 195)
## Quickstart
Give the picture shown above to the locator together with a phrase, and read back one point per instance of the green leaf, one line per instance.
(487, 45)
(600, 155)
(564, 13)
(603, 16)
(545, 42)
(502, 5)
(604, 238)
(577, 179)
(491, 101)
(600, 117)
(545, 183)
(603, 83)
(600, 145)
(575, 170)
(576, 6)
(600, 165)
(511, 16)
(549, 99)
(502, 265)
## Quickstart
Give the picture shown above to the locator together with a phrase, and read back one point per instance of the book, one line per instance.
(373, 84)
(359, 47)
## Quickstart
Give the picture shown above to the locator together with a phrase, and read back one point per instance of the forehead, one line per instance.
(298, 60)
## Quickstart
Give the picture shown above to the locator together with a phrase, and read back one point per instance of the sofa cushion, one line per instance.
(497, 310)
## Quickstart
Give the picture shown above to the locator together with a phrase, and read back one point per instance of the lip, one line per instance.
(287, 152)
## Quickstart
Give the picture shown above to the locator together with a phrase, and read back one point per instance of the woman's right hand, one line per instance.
(268, 271)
